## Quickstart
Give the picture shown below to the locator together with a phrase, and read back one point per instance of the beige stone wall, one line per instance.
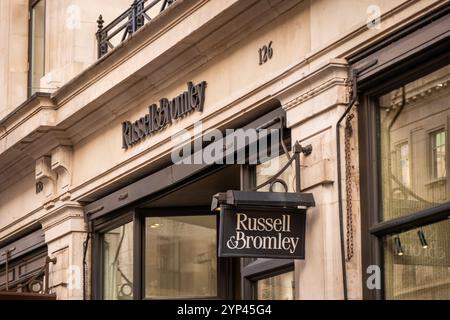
(13, 54)
(229, 75)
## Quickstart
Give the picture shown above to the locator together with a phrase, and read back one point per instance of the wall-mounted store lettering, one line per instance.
(265, 53)
(160, 117)
(267, 234)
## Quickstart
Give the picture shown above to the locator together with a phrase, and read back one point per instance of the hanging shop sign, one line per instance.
(273, 227)
(159, 117)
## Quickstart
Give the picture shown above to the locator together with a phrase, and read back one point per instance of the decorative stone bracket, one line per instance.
(62, 165)
(54, 173)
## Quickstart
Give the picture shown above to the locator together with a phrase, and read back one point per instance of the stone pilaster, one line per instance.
(65, 232)
(63, 223)
(313, 107)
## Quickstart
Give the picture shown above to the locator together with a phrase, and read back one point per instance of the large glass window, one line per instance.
(118, 263)
(417, 263)
(181, 257)
(37, 45)
(413, 125)
(418, 113)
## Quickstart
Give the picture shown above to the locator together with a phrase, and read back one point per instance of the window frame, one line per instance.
(222, 263)
(137, 215)
(101, 227)
(374, 229)
(31, 5)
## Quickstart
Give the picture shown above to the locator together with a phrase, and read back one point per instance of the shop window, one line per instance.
(407, 191)
(118, 263)
(279, 287)
(36, 58)
(180, 257)
(412, 112)
(166, 248)
(438, 155)
(417, 263)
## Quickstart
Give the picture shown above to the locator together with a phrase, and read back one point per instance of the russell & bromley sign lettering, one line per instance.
(160, 117)
(262, 230)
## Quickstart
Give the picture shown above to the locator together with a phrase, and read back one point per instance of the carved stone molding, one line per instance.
(332, 74)
(48, 178)
(54, 174)
(61, 163)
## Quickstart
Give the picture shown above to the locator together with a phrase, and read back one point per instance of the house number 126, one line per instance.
(265, 53)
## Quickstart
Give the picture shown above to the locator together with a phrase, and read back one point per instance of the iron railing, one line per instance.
(127, 23)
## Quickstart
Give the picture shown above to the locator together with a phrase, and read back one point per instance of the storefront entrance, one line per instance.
(177, 235)
(164, 246)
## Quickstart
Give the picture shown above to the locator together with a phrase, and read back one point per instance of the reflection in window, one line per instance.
(118, 263)
(416, 269)
(403, 162)
(412, 178)
(280, 287)
(37, 42)
(438, 167)
(180, 257)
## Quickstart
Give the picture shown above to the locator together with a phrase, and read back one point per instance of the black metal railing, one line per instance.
(127, 23)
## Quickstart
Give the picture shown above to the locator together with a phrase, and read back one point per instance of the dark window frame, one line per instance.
(375, 83)
(223, 264)
(137, 215)
(101, 227)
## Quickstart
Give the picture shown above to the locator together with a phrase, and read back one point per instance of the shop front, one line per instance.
(158, 238)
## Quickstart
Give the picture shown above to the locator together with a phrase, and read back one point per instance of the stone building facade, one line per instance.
(113, 222)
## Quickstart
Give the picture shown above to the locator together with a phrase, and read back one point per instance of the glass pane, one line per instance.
(413, 124)
(438, 155)
(118, 263)
(418, 269)
(37, 45)
(280, 287)
(180, 257)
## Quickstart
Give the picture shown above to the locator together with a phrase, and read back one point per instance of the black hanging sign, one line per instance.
(263, 229)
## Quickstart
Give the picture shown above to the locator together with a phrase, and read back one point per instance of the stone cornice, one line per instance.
(327, 76)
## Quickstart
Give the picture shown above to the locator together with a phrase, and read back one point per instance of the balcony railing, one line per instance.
(128, 23)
